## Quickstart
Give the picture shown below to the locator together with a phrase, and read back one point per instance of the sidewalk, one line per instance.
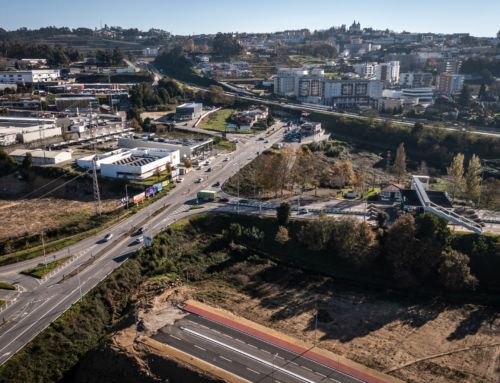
(324, 357)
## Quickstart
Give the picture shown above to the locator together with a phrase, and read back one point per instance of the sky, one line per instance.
(477, 17)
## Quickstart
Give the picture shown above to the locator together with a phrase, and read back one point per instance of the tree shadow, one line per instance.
(343, 313)
(473, 322)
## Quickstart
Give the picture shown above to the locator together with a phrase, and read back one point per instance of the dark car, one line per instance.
(217, 184)
(208, 170)
(223, 200)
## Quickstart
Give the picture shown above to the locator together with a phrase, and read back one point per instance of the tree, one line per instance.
(187, 163)
(482, 91)
(473, 179)
(399, 249)
(399, 167)
(456, 175)
(464, 97)
(282, 236)
(283, 214)
(27, 162)
(490, 197)
(454, 272)
(382, 218)
(224, 44)
(117, 56)
(7, 163)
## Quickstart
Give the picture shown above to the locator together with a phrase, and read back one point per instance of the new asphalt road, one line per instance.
(244, 355)
(38, 303)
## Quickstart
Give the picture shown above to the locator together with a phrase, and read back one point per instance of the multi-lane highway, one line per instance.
(244, 355)
(40, 302)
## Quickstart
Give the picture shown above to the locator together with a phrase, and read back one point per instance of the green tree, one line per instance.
(283, 214)
(455, 273)
(27, 162)
(456, 175)
(7, 163)
(224, 44)
(465, 96)
(382, 218)
(473, 179)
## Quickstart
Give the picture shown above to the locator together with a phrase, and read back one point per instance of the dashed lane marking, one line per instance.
(201, 348)
(255, 372)
(222, 357)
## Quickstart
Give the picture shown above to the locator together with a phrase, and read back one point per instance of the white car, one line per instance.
(226, 159)
(179, 180)
(108, 236)
(198, 180)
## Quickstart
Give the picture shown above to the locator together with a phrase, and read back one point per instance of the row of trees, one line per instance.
(108, 57)
(417, 251)
(465, 183)
(56, 55)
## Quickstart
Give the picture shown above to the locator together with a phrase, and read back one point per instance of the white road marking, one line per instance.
(256, 372)
(201, 348)
(222, 357)
(306, 368)
(173, 336)
(260, 360)
(320, 374)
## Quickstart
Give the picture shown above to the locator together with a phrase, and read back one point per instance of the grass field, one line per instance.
(6, 286)
(41, 270)
(217, 121)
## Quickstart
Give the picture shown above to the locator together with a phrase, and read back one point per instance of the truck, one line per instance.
(206, 195)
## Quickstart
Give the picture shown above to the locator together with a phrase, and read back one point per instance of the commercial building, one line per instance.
(29, 76)
(188, 148)
(449, 84)
(344, 94)
(188, 111)
(388, 72)
(41, 157)
(424, 96)
(136, 163)
(415, 79)
(246, 119)
(310, 86)
(26, 130)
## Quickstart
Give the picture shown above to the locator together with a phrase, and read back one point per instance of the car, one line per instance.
(108, 236)
(139, 231)
(243, 201)
(179, 180)
(303, 210)
(261, 139)
(208, 170)
(217, 184)
(223, 199)
(226, 159)
(139, 240)
(198, 168)
(266, 141)
(198, 180)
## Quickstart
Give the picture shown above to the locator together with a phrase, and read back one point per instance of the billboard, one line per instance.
(138, 198)
(158, 186)
(150, 191)
(165, 183)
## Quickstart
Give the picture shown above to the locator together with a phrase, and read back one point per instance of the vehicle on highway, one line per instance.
(208, 170)
(198, 180)
(139, 231)
(217, 184)
(226, 159)
(139, 240)
(108, 236)
(261, 139)
(302, 211)
(198, 168)
(206, 195)
(266, 141)
(179, 180)
(243, 201)
(224, 199)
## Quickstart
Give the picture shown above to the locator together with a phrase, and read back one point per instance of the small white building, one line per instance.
(29, 76)
(42, 157)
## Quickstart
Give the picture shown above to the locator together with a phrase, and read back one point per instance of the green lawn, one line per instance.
(42, 270)
(6, 286)
(217, 121)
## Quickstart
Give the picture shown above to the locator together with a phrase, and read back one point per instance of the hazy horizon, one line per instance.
(478, 18)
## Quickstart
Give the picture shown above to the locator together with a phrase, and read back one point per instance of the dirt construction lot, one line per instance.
(33, 215)
(416, 341)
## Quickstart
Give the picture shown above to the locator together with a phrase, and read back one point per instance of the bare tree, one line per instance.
(399, 167)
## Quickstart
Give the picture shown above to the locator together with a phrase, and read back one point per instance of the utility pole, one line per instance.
(95, 181)
(43, 249)
(126, 194)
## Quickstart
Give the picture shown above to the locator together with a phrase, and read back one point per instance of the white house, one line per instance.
(29, 76)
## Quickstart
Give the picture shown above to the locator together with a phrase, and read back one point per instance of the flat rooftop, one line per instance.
(190, 105)
(135, 161)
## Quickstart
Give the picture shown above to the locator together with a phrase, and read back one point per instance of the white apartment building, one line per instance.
(351, 93)
(415, 79)
(449, 84)
(388, 72)
(29, 76)
(366, 70)
(286, 81)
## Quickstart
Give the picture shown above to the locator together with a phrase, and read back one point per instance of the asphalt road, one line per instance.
(38, 303)
(245, 355)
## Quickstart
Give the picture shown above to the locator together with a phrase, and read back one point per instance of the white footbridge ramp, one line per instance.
(445, 213)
